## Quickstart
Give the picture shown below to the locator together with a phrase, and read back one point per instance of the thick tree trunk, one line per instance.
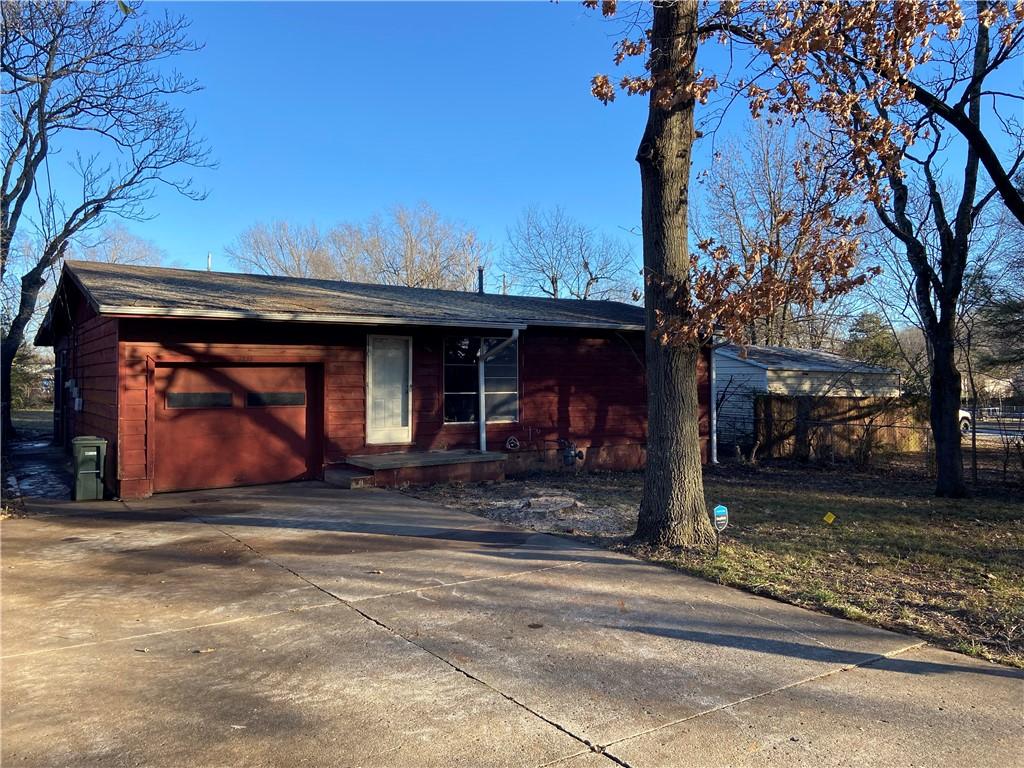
(673, 511)
(945, 415)
(7, 352)
(31, 284)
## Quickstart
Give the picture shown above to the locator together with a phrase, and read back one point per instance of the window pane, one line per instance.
(507, 356)
(460, 378)
(500, 385)
(275, 398)
(502, 407)
(198, 399)
(460, 408)
(491, 370)
(461, 349)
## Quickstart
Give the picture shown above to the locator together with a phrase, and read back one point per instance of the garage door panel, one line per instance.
(276, 464)
(244, 420)
(244, 442)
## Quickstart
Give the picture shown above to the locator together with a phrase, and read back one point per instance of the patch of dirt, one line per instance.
(544, 505)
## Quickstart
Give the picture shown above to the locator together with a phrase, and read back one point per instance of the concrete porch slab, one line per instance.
(398, 460)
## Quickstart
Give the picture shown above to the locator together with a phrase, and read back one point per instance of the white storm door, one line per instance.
(389, 390)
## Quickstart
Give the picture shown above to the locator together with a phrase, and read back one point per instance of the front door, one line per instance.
(389, 390)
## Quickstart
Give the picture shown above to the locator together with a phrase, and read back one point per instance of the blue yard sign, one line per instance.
(721, 513)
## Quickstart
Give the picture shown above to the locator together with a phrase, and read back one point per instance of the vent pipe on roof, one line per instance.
(480, 279)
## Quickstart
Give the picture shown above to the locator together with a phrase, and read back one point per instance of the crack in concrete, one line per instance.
(154, 633)
(769, 619)
(592, 747)
(464, 581)
(845, 668)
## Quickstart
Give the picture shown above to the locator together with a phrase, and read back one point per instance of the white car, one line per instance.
(965, 422)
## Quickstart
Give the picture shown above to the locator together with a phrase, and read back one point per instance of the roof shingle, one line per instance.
(120, 289)
(789, 359)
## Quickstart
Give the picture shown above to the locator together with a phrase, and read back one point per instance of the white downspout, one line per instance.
(713, 405)
(481, 408)
(481, 403)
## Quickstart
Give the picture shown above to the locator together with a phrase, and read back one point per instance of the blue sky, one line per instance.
(328, 112)
(331, 112)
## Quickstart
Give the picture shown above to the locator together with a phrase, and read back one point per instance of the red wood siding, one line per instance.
(587, 387)
(92, 363)
(583, 386)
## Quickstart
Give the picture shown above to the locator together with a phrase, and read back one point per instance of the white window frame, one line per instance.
(444, 383)
(393, 435)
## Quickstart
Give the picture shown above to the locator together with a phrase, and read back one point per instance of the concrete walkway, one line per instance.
(302, 625)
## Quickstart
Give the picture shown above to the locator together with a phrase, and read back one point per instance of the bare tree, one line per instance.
(893, 295)
(1003, 313)
(84, 78)
(765, 199)
(940, 268)
(113, 244)
(281, 248)
(414, 247)
(550, 252)
(116, 245)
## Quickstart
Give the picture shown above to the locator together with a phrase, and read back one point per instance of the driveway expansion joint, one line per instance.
(838, 670)
(591, 746)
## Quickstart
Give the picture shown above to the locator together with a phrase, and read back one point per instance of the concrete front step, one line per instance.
(341, 477)
(388, 470)
(405, 459)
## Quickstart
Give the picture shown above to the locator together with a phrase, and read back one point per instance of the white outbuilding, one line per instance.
(742, 373)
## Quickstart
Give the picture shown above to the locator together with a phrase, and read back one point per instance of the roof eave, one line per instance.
(307, 317)
(294, 317)
(44, 336)
(797, 369)
(735, 356)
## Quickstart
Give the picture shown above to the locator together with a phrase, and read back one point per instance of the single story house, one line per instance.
(206, 379)
(742, 373)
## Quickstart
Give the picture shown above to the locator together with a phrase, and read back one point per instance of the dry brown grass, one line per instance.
(895, 557)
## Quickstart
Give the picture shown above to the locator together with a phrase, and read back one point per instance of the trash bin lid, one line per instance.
(90, 439)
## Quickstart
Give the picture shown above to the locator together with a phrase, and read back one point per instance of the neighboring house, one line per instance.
(202, 379)
(742, 373)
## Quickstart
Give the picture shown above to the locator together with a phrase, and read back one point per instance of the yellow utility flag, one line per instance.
(829, 518)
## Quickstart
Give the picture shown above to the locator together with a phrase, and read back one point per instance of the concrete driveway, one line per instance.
(304, 625)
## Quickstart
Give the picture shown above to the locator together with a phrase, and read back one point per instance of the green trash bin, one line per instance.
(89, 453)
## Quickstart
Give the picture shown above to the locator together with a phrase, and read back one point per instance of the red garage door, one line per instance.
(241, 425)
